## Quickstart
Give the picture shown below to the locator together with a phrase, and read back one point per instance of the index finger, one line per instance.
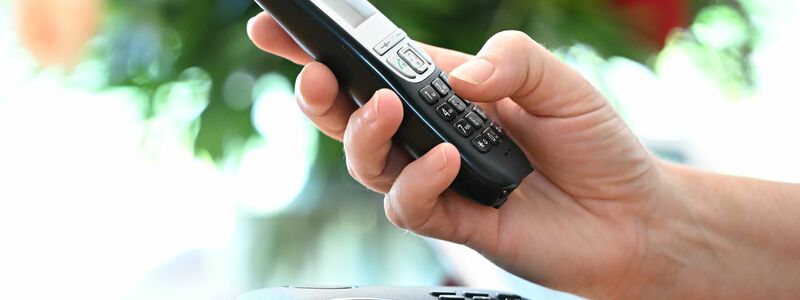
(267, 35)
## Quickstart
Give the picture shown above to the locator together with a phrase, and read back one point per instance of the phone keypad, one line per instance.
(482, 144)
(492, 136)
(448, 295)
(476, 120)
(445, 77)
(457, 103)
(430, 95)
(468, 120)
(464, 128)
(441, 87)
(496, 127)
(476, 295)
(451, 297)
(480, 112)
(447, 112)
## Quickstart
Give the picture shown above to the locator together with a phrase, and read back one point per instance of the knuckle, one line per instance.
(381, 184)
(298, 91)
(510, 42)
(419, 225)
(415, 221)
(376, 181)
(350, 132)
(391, 214)
(513, 36)
(506, 46)
(355, 120)
(336, 133)
(351, 169)
(373, 180)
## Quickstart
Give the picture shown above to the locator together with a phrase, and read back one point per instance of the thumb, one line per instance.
(512, 65)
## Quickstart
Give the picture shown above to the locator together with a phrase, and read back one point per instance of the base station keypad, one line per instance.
(469, 120)
(473, 296)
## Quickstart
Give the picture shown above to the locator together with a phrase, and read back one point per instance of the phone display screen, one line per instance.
(355, 12)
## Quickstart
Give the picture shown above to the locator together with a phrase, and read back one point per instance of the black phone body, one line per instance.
(367, 52)
(378, 293)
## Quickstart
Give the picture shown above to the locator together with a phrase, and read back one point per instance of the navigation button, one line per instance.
(421, 51)
(401, 66)
(414, 59)
(387, 44)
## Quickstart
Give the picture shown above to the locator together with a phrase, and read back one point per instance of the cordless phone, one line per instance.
(367, 52)
(377, 293)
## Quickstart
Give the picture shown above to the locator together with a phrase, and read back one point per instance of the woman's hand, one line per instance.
(594, 218)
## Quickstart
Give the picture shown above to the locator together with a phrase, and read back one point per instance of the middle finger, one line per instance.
(371, 157)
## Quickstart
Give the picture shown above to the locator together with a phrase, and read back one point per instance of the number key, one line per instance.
(447, 112)
(457, 103)
(498, 129)
(441, 87)
(478, 110)
(475, 120)
(482, 144)
(464, 128)
(429, 95)
(492, 136)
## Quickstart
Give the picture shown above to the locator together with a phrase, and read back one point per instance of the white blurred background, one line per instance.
(103, 196)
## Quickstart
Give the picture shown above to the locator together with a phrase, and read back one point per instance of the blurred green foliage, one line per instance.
(153, 41)
(151, 44)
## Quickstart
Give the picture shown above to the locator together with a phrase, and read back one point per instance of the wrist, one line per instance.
(680, 250)
(715, 236)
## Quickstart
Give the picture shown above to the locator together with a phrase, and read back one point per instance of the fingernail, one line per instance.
(298, 92)
(439, 162)
(474, 72)
(375, 111)
(250, 27)
(309, 109)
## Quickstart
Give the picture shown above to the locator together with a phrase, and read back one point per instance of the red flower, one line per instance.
(654, 19)
(55, 31)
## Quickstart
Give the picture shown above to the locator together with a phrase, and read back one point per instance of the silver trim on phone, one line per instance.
(373, 30)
